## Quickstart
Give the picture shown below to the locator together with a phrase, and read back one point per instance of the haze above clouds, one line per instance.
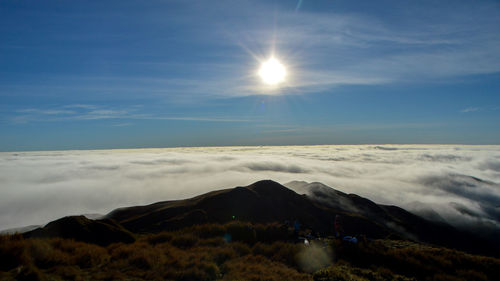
(460, 183)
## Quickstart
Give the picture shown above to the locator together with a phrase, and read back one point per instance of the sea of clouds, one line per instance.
(459, 184)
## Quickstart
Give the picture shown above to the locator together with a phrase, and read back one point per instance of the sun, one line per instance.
(272, 71)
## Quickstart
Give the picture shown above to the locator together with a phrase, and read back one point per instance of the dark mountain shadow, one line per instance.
(261, 202)
(80, 228)
(268, 202)
(399, 221)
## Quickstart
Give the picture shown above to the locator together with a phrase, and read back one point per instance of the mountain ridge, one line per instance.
(267, 201)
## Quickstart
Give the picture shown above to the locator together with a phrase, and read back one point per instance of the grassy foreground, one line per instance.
(236, 251)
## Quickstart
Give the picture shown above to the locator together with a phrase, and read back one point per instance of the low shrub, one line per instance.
(241, 249)
(271, 233)
(30, 273)
(241, 232)
(185, 255)
(89, 255)
(184, 241)
(69, 272)
(13, 253)
(207, 272)
(44, 255)
(212, 242)
(206, 230)
(160, 238)
(333, 274)
(221, 255)
(260, 268)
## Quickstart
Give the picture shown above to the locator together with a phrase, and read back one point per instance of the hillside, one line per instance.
(236, 251)
(261, 202)
(397, 220)
(247, 233)
(268, 202)
(100, 232)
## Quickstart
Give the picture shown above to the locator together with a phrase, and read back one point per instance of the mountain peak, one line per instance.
(265, 183)
(264, 201)
(270, 188)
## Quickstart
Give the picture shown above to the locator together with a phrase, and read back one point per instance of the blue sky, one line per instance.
(123, 74)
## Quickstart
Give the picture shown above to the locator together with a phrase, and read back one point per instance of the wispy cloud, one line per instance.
(470, 109)
(370, 50)
(84, 106)
(359, 50)
(480, 109)
(95, 112)
(46, 112)
(123, 124)
(202, 119)
(321, 50)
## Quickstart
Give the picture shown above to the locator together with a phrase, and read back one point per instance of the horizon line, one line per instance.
(256, 145)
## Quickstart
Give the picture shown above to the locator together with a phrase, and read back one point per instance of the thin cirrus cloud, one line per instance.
(470, 109)
(475, 109)
(458, 42)
(354, 46)
(95, 112)
(321, 50)
(459, 183)
(363, 50)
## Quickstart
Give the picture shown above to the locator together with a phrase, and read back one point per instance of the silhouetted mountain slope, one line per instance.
(20, 229)
(399, 221)
(101, 232)
(261, 202)
(266, 202)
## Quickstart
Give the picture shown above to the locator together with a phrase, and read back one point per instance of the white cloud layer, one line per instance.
(460, 183)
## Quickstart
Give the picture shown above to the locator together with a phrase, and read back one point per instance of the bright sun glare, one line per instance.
(272, 72)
